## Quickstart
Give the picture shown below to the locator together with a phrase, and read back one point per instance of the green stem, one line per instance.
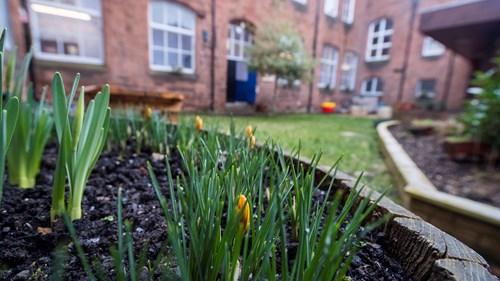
(76, 196)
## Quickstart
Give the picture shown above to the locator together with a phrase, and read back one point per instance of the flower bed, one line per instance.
(474, 223)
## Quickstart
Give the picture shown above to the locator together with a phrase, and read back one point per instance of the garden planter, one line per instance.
(473, 223)
(328, 107)
(465, 150)
(425, 252)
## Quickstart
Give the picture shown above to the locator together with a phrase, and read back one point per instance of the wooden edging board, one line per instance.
(450, 258)
(425, 252)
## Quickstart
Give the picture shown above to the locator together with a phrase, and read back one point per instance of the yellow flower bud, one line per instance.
(245, 217)
(249, 131)
(252, 142)
(148, 113)
(199, 123)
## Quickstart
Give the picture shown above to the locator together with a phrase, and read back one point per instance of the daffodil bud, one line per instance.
(245, 217)
(199, 123)
(252, 142)
(249, 131)
(78, 123)
(148, 113)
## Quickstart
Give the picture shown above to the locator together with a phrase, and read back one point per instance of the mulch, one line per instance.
(468, 179)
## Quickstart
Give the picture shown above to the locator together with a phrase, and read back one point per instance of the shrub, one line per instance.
(481, 116)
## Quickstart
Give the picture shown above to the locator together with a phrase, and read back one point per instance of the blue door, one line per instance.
(241, 83)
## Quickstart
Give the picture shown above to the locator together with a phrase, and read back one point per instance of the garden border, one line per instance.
(430, 254)
(474, 223)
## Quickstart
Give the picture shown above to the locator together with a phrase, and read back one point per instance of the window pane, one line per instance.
(237, 32)
(92, 49)
(237, 50)
(158, 37)
(71, 48)
(89, 27)
(173, 59)
(377, 26)
(385, 51)
(373, 53)
(69, 2)
(187, 21)
(91, 4)
(387, 38)
(49, 46)
(375, 40)
(172, 15)
(46, 22)
(186, 61)
(157, 12)
(186, 42)
(158, 58)
(388, 24)
(172, 40)
(380, 85)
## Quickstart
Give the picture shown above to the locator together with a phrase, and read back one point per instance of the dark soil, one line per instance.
(468, 179)
(26, 253)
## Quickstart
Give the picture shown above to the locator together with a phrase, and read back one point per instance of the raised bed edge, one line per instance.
(420, 195)
(426, 247)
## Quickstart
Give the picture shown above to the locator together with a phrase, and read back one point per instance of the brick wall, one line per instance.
(126, 53)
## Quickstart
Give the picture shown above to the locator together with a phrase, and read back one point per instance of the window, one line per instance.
(426, 89)
(379, 40)
(301, 1)
(431, 47)
(349, 66)
(171, 37)
(331, 8)
(348, 11)
(327, 75)
(238, 39)
(4, 22)
(372, 87)
(67, 30)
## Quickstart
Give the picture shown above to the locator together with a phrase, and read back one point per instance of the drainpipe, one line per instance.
(409, 40)
(447, 83)
(212, 60)
(315, 43)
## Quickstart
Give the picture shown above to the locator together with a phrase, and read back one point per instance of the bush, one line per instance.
(482, 115)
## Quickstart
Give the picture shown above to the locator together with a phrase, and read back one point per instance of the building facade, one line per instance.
(366, 50)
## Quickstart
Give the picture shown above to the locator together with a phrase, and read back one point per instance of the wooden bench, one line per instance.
(167, 102)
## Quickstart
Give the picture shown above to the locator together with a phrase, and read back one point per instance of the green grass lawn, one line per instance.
(333, 135)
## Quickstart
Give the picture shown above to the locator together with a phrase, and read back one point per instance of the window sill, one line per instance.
(170, 75)
(70, 65)
(432, 56)
(377, 61)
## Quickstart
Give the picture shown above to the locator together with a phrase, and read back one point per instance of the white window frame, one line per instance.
(374, 85)
(232, 42)
(35, 30)
(348, 69)
(431, 47)
(331, 8)
(418, 91)
(380, 46)
(4, 22)
(329, 58)
(348, 8)
(178, 30)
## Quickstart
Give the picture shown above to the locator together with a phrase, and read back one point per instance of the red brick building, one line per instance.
(366, 49)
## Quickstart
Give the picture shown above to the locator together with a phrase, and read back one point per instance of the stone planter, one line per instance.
(475, 224)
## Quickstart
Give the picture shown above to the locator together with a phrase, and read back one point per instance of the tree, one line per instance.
(278, 50)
